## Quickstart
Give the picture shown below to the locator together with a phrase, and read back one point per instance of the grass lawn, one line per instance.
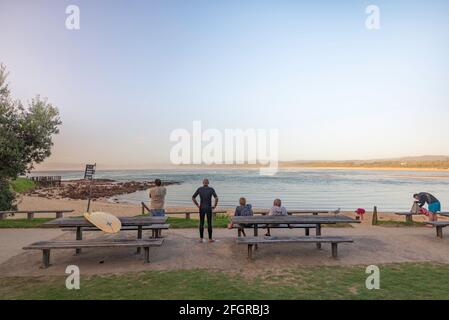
(397, 281)
(220, 221)
(23, 223)
(389, 223)
(21, 185)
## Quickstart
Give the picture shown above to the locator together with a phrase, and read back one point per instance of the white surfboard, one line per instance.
(104, 221)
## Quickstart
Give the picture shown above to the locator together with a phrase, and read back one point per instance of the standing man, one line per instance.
(206, 193)
(157, 196)
(433, 204)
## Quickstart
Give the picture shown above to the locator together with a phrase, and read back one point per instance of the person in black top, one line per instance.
(206, 193)
(433, 203)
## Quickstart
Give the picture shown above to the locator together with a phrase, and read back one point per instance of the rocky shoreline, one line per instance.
(101, 189)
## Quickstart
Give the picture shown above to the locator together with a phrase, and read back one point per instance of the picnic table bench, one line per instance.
(31, 213)
(46, 246)
(79, 223)
(253, 241)
(439, 225)
(409, 215)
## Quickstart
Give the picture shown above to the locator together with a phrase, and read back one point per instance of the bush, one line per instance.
(6, 196)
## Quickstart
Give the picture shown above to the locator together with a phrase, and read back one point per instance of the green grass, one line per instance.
(390, 223)
(397, 281)
(21, 185)
(220, 221)
(23, 223)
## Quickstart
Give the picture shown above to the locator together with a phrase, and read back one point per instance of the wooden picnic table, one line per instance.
(30, 213)
(256, 221)
(80, 223)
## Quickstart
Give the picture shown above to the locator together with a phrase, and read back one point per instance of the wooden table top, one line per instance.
(313, 219)
(126, 221)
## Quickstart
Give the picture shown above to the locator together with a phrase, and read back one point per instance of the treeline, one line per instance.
(371, 164)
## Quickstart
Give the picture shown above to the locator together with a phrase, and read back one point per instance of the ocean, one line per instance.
(297, 188)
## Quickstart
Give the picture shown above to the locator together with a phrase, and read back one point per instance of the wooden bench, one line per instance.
(306, 227)
(252, 241)
(31, 213)
(155, 228)
(439, 225)
(46, 246)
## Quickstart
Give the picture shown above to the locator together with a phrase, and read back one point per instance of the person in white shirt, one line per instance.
(276, 210)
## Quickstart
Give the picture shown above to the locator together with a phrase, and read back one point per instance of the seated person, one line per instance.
(243, 210)
(276, 210)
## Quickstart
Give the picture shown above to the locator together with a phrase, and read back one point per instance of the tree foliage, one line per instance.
(25, 135)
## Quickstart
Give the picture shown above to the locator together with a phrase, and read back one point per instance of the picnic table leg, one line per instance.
(79, 236)
(139, 236)
(46, 258)
(439, 232)
(146, 254)
(318, 233)
(250, 252)
(334, 250)
(58, 215)
(307, 231)
(30, 215)
(256, 233)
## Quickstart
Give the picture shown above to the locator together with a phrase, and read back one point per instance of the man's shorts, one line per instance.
(434, 207)
(158, 212)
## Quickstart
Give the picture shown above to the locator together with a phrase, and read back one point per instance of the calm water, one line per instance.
(298, 189)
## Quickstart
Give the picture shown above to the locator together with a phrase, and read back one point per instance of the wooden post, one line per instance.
(250, 251)
(374, 221)
(30, 215)
(46, 258)
(187, 215)
(58, 215)
(2, 215)
(334, 250)
(143, 209)
(307, 231)
(139, 236)
(79, 236)
(409, 218)
(146, 254)
(318, 233)
(256, 233)
(439, 232)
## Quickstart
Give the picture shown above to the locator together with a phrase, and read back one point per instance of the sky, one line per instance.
(137, 70)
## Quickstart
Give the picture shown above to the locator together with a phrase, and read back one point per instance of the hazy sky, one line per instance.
(136, 70)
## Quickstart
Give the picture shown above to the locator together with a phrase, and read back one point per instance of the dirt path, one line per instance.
(181, 250)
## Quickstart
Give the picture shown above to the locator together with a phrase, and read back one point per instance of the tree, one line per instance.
(25, 136)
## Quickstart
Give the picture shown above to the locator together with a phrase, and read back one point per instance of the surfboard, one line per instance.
(104, 221)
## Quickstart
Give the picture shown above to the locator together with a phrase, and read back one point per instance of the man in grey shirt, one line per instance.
(206, 193)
